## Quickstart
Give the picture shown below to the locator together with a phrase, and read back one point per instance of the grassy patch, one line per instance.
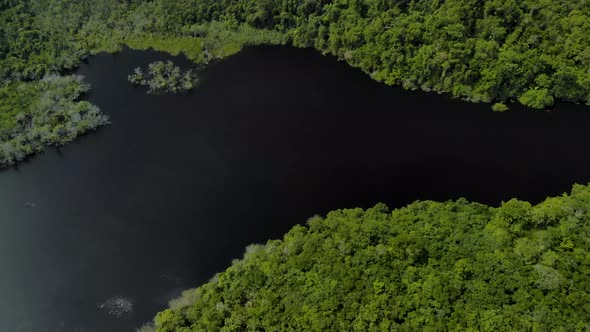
(189, 46)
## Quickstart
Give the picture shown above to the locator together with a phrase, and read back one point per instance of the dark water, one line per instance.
(177, 186)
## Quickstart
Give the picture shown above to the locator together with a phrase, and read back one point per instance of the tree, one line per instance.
(536, 98)
(499, 107)
(427, 266)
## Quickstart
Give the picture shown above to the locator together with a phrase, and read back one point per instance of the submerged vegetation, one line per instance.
(45, 112)
(530, 51)
(164, 77)
(430, 266)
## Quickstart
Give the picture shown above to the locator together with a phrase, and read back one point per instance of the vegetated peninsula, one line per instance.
(453, 266)
(34, 114)
(533, 51)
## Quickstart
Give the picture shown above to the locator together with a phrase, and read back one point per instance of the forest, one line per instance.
(430, 266)
(535, 51)
(530, 51)
(34, 114)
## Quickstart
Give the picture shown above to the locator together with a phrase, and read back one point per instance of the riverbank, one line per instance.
(427, 266)
(35, 113)
(476, 53)
(481, 53)
(180, 185)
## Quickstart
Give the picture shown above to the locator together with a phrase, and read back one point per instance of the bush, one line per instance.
(499, 107)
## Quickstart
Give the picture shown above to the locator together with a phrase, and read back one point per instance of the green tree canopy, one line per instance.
(429, 266)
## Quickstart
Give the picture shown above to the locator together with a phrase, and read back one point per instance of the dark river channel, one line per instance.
(177, 186)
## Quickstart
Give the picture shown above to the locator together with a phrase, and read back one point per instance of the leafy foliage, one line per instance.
(44, 112)
(532, 51)
(426, 267)
(42, 38)
(499, 107)
(164, 77)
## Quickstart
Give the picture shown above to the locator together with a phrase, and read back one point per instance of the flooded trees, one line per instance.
(44, 112)
(164, 77)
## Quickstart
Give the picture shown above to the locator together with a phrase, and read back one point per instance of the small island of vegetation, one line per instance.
(452, 266)
(164, 77)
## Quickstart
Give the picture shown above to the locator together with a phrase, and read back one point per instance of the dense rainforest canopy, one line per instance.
(533, 51)
(429, 266)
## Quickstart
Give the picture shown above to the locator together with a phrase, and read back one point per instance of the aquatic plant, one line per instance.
(164, 77)
(499, 107)
(117, 306)
(149, 327)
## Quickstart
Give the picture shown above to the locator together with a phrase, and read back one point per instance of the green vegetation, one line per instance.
(532, 51)
(164, 77)
(499, 107)
(536, 98)
(535, 51)
(189, 46)
(40, 39)
(44, 112)
(429, 266)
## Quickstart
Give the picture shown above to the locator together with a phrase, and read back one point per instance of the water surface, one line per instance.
(176, 187)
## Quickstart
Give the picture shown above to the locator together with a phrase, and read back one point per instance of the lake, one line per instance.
(177, 186)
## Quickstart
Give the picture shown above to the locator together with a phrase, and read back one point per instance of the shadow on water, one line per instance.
(177, 186)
